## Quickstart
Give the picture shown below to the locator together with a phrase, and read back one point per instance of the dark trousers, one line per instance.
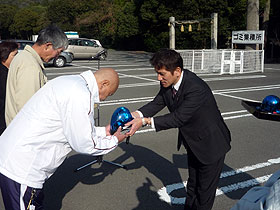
(18, 197)
(202, 183)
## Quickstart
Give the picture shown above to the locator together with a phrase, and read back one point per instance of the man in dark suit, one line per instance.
(202, 130)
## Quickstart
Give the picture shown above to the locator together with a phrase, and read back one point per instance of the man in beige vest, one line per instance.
(26, 74)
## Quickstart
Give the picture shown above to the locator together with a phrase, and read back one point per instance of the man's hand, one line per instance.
(107, 129)
(136, 123)
(119, 135)
(135, 114)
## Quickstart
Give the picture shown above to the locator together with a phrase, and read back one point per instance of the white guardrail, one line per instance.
(224, 61)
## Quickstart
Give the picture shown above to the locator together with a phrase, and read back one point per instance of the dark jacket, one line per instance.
(194, 111)
(3, 82)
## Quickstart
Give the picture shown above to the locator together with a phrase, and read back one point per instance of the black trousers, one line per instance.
(202, 183)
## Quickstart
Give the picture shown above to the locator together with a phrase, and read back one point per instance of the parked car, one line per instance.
(83, 48)
(23, 43)
(60, 61)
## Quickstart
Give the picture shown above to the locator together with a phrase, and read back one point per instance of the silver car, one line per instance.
(83, 48)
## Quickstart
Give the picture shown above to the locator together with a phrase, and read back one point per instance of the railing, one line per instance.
(223, 61)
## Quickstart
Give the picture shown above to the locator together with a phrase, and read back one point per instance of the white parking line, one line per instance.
(139, 84)
(215, 92)
(137, 77)
(63, 73)
(234, 78)
(246, 89)
(165, 192)
(276, 69)
(236, 97)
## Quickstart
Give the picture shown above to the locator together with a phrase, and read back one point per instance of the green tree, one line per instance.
(126, 24)
(28, 21)
(154, 17)
(130, 24)
(64, 12)
(98, 22)
(7, 14)
(24, 22)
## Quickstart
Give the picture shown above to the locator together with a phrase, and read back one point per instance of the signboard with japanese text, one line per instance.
(247, 37)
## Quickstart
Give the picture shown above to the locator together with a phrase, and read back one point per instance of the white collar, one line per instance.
(177, 85)
(91, 84)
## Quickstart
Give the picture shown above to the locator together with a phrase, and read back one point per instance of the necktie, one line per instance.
(174, 91)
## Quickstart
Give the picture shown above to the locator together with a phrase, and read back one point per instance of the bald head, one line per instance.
(108, 82)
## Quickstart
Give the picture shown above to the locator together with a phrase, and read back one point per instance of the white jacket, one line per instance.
(58, 118)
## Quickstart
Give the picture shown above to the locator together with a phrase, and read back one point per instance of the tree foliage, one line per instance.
(127, 24)
(7, 14)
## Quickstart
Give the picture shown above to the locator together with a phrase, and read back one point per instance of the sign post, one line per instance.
(247, 37)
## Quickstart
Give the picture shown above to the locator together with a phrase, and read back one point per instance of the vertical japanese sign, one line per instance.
(247, 37)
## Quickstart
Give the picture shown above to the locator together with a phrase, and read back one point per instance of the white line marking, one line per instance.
(251, 168)
(236, 90)
(126, 102)
(215, 91)
(127, 99)
(273, 69)
(238, 116)
(133, 76)
(234, 112)
(164, 192)
(241, 185)
(87, 67)
(218, 92)
(139, 84)
(233, 78)
(208, 79)
(236, 97)
(142, 75)
(64, 73)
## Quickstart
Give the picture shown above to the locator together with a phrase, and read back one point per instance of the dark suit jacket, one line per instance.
(194, 111)
(3, 82)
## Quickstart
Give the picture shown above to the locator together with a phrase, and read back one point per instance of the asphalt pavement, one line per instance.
(156, 172)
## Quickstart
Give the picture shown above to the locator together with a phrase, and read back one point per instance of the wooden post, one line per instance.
(214, 30)
(172, 33)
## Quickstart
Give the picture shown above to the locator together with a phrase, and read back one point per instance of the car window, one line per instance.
(74, 42)
(23, 44)
(82, 42)
(88, 43)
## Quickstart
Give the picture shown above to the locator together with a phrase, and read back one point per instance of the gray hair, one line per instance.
(54, 35)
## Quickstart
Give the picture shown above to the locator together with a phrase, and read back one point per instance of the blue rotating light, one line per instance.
(271, 104)
(120, 117)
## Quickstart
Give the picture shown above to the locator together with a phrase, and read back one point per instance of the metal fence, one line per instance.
(223, 61)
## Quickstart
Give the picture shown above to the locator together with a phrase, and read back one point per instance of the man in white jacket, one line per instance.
(57, 119)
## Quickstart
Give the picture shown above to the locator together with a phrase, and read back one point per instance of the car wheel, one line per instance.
(103, 56)
(59, 62)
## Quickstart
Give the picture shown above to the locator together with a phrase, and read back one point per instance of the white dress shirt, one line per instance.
(176, 87)
(57, 119)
